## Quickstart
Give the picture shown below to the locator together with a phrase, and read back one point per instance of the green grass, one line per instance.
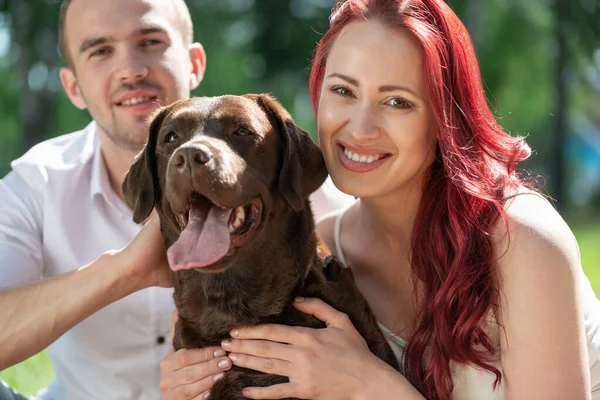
(35, 373)
(31, 375)
(588, 237)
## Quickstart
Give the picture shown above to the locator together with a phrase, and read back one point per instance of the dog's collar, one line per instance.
(326, 261)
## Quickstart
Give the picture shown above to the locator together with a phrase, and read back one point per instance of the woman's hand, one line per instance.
(190, 373)
(334, 362)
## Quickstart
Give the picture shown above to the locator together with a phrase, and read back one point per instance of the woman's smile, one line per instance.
(360, 159)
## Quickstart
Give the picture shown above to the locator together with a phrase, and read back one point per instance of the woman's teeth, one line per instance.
(361, 158)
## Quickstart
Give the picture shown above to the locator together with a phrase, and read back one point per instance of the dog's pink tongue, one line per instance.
(204, 241)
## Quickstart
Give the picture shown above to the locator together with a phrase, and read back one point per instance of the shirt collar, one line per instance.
(99, 182)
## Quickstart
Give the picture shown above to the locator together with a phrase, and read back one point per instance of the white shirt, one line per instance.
(59, 212)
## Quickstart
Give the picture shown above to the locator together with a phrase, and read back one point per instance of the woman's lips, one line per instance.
(360, 160)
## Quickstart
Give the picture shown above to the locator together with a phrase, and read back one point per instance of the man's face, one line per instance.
(128, 58)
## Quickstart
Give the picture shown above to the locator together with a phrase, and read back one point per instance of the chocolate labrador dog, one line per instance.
(230, 178)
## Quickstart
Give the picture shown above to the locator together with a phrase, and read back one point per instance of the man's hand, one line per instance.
(145, 258)
(190, 373)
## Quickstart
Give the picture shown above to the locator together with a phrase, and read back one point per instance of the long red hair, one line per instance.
(452, 255)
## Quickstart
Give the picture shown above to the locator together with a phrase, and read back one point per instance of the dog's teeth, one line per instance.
(240, 216)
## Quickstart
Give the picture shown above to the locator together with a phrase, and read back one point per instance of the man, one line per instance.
(63, 213)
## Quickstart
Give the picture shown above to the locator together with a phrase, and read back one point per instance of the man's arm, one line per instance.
(35, 315)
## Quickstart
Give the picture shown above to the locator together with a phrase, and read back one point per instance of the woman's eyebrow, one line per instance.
(393, 88)
(382, 89)
(346, 78)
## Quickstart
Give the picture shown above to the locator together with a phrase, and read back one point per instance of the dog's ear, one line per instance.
(303, 169)
(140, 187)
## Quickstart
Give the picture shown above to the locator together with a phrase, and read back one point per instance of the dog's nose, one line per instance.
(192, 156)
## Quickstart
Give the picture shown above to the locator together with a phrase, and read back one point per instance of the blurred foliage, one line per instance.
(266, 45)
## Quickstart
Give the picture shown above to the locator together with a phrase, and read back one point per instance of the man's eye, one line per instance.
(100, 52)
(171, 137)
(243, 132)
(150, 42)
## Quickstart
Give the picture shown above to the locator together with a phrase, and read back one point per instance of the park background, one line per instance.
(540, 61)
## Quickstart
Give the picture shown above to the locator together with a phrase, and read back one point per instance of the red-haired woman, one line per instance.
(474, 277)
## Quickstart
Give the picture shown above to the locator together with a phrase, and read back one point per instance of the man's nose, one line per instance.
(132, 68)
(189, 157)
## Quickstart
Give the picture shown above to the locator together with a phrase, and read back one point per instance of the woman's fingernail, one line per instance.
(219, 353)
(218, 377)
(207, 395)
(299, 299)
(233, 357)
(226, 344)
(234, 333)
(246, 392)
(223, 364)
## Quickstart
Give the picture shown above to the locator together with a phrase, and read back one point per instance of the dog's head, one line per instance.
(216, 169)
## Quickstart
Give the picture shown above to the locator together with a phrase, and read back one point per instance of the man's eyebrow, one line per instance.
(382, 89)
(89, 43)
(150, 29)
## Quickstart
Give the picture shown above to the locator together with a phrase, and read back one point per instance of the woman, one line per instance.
(474, 278)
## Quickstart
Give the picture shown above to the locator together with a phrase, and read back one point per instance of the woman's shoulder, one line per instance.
(537, 237)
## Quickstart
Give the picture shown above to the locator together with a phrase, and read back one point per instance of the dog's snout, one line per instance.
(192, 156)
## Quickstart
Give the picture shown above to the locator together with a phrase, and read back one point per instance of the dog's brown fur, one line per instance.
(277, 163)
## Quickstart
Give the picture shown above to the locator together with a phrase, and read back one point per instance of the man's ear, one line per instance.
(140, 187)
(69, 82)
(302, 169)
(198, 60)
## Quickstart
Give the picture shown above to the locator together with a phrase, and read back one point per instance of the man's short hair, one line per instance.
(183, 22)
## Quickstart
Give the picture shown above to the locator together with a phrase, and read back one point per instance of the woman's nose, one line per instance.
(365, 123)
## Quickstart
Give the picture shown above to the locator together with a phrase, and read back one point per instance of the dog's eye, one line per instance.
(171, 137)
(243, 132)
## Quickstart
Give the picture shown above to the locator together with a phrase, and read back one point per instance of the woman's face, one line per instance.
(374, 121)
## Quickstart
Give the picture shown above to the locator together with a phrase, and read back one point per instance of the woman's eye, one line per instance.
(171, 137)
(243, 132)
(398, 102)
(341, 90)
